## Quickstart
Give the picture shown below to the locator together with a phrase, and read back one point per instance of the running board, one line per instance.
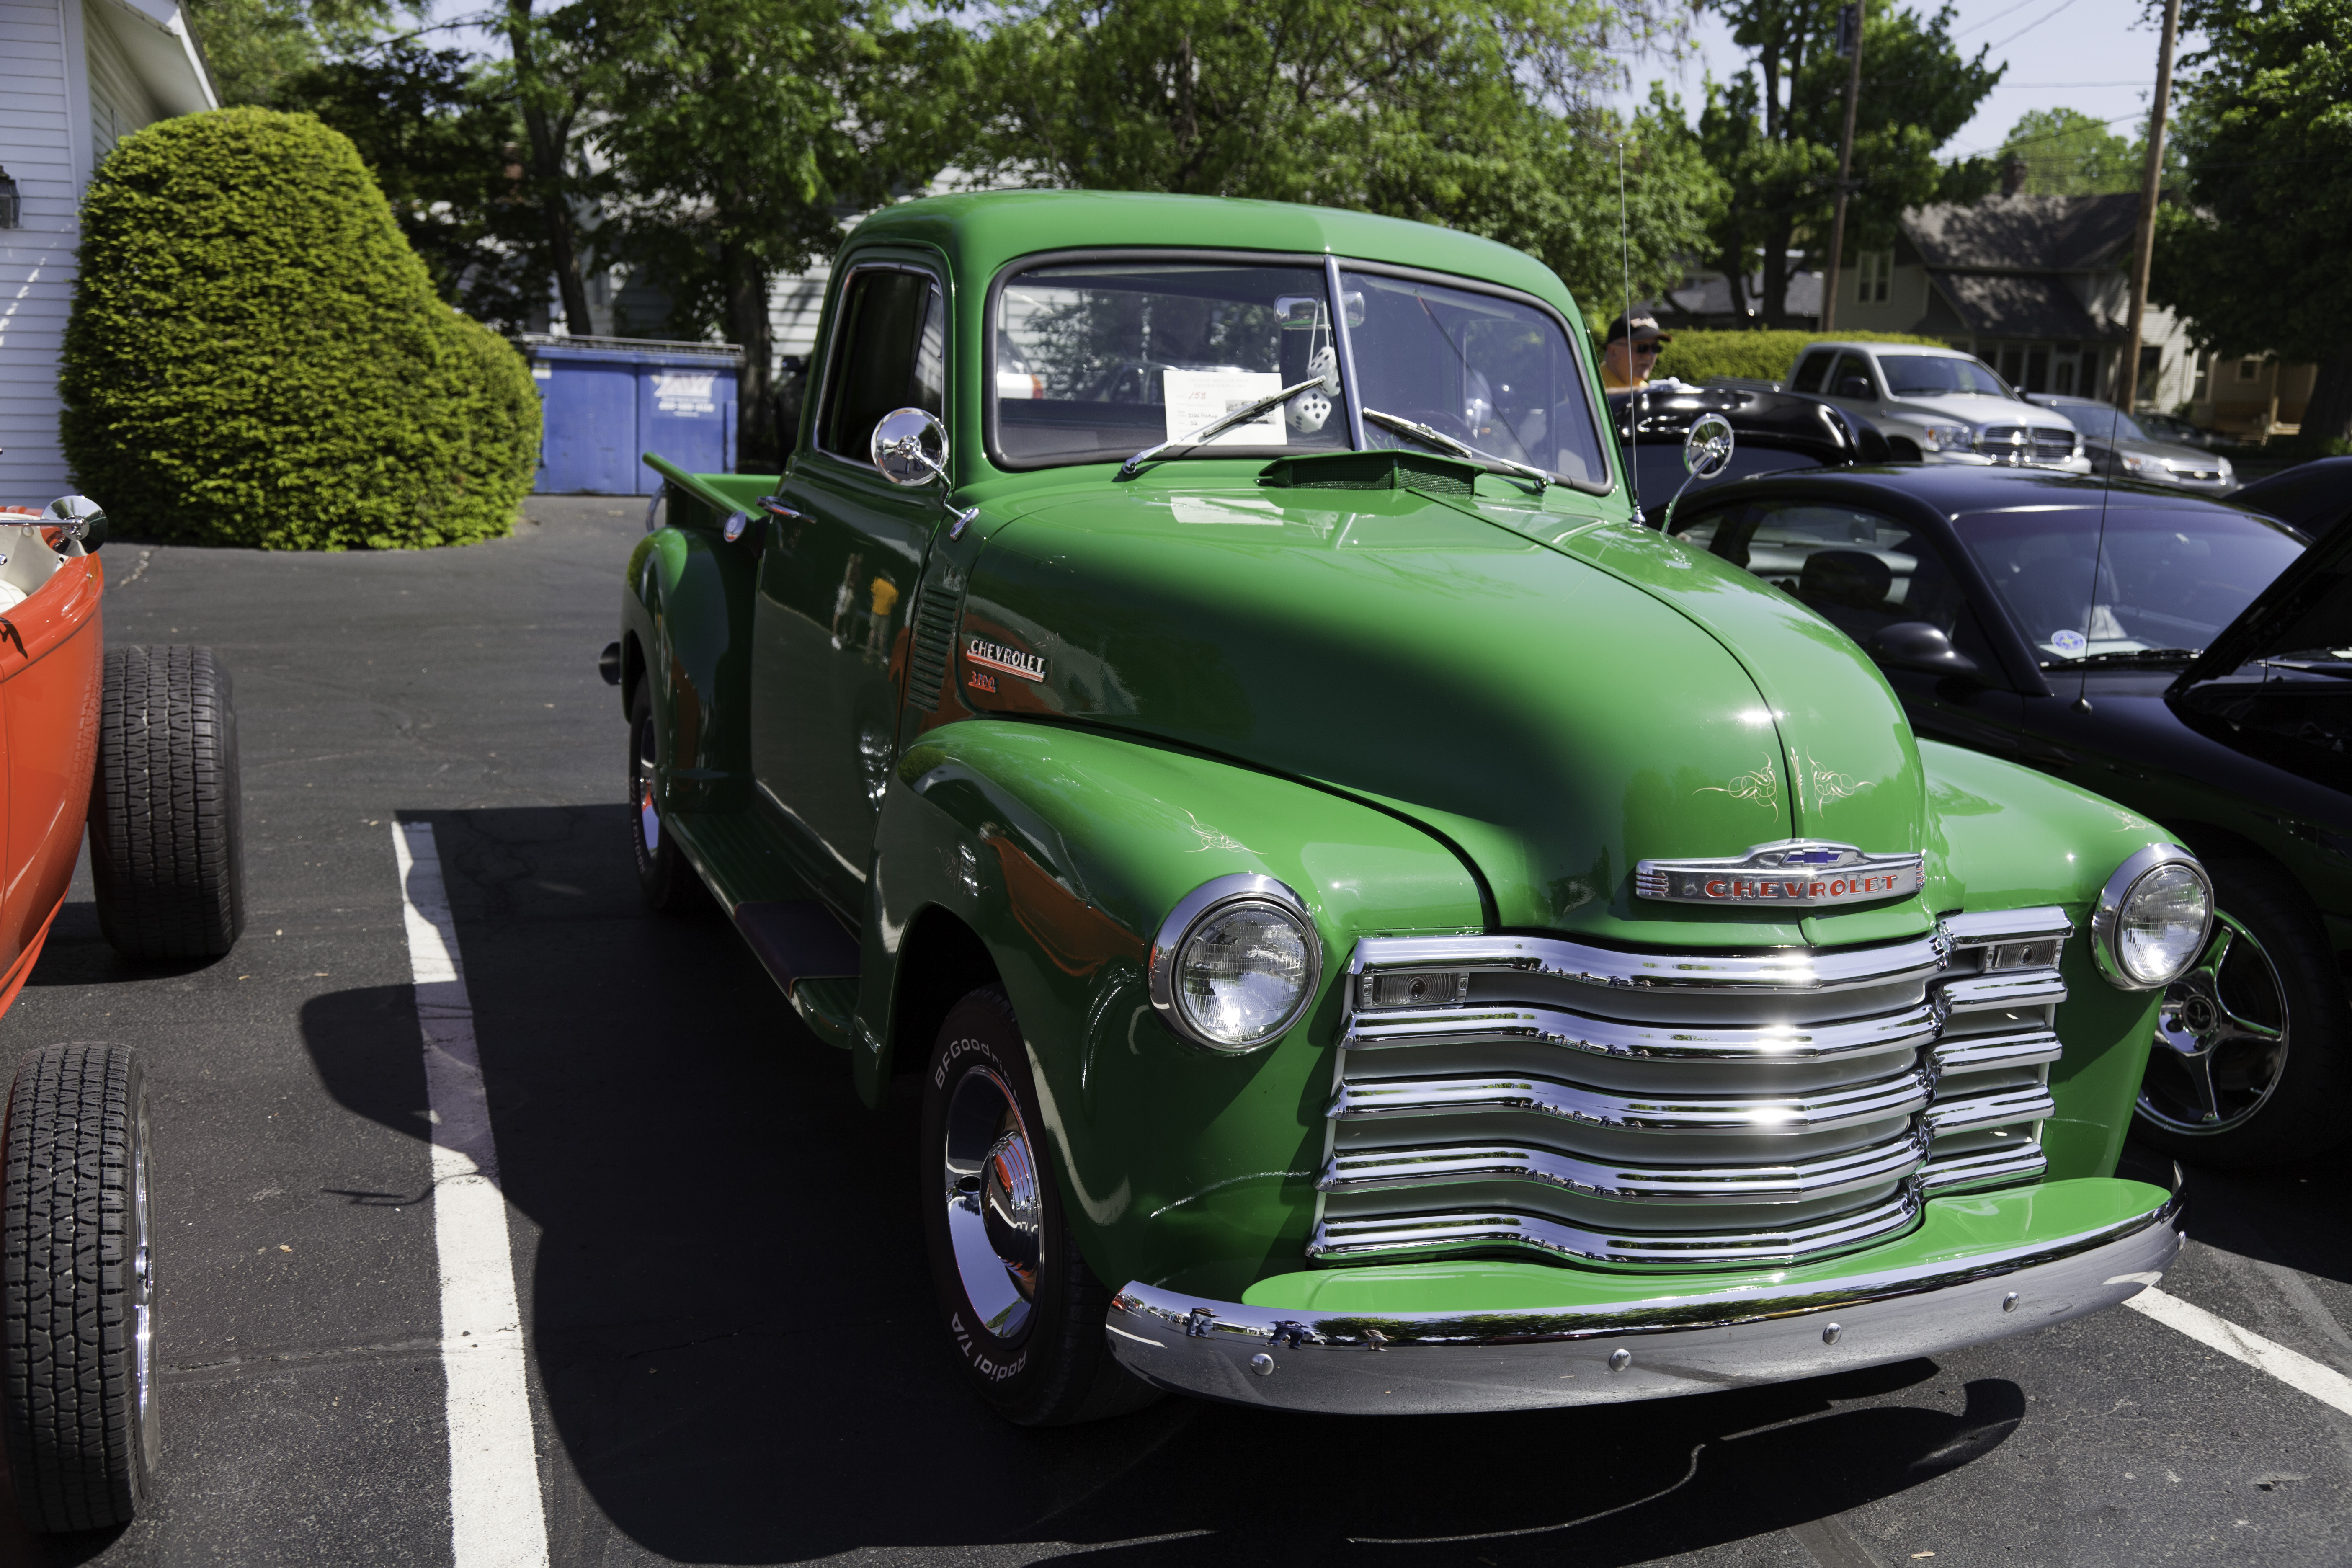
(802, 947)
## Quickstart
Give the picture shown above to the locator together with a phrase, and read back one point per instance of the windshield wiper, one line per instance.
(1452, 447)
(2126, 659)
(1215, 427)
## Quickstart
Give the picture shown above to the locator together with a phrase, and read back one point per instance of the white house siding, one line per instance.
(119, 103)
(45, 129)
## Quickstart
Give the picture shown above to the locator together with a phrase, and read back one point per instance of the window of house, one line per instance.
(2198, 393)
(2249, 370)
(1877, 269)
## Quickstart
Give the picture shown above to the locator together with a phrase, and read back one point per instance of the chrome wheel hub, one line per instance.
(2221, 1039)
(648, 821)
(995, 1205)
(143, 1301)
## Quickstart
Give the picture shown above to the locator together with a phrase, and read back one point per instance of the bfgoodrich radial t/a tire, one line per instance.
(166, 840)
(1022, 1308)
(77, 1291)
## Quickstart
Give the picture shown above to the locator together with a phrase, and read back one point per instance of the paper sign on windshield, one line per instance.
(1195, 397)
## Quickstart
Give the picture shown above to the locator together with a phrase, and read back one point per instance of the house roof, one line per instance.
(2059, 234)
(2018, 305)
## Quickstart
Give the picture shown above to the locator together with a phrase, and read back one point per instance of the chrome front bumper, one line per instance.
(1427, 1363)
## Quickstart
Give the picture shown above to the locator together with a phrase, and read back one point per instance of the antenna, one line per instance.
(1633, 398)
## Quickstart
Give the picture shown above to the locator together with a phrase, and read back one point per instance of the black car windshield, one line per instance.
(2164, 578)
(1493, 374)
(1925, 375)
(1097, 361)
(2098, 419)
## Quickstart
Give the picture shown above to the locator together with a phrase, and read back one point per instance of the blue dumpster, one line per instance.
(606, 400)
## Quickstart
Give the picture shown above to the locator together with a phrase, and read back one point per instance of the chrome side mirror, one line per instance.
(77, 518)
(910, 446)
(1706, 452)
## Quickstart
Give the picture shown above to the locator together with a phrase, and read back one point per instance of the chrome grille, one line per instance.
(2026, 444)
(1522, 1094)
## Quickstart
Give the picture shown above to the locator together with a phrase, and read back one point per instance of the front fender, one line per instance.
(1063, 849)
(687, 600)
(2014, 838)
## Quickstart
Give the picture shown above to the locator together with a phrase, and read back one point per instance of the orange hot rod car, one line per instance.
(141, 744)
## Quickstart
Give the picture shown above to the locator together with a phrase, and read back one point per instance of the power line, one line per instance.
(1988, 21)
(2030, 25)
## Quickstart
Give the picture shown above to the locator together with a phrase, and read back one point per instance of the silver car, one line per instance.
(2121, 449)
(1938, 405)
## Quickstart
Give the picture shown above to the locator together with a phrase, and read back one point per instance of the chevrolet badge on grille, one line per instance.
(1803, 871)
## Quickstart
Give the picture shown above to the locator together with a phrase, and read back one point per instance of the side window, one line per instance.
(1857, 570)
(1810, 372)
(890, 352)
(1852, 378)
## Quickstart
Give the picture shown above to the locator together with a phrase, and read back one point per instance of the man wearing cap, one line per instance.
(1631, 349)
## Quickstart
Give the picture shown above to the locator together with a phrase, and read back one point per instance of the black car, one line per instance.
(2315, 496)
(2180, 655)
(1774, 431)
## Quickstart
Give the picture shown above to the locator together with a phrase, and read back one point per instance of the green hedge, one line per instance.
(256, 357)
(1763, 356)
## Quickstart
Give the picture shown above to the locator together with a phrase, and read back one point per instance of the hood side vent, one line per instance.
(933, 644)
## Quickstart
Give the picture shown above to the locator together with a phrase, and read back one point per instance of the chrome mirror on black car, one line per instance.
(910, 446)
(1706, 452)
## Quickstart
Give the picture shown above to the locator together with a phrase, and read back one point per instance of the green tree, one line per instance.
(740, 133)
(1773, 130)
(256, 357)
(2068, 154)
(2257, 257)
(1478, 117)
(253, 46)
(440, 132)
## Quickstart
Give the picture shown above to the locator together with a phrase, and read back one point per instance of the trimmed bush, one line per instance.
(1762, 357)
(256, 357)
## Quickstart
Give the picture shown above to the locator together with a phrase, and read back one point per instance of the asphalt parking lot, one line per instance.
(729, 1354)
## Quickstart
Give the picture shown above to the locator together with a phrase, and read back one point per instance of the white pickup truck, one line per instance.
(1938, 405)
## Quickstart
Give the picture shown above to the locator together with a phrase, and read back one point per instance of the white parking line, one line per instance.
(496, 1518)
(2292, 1368)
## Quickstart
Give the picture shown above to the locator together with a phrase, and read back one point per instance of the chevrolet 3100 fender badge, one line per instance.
(1012, 660)
(1802, 871)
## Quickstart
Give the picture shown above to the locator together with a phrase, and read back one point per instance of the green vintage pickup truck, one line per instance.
(1379, 929)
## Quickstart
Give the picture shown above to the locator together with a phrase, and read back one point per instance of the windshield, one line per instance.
(2098, 419)
(2167, 578)
(1495, 374)
(1097, 361)
(1926, 375)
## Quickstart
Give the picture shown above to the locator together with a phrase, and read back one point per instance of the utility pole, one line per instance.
(1849, 46)
(2150, 187)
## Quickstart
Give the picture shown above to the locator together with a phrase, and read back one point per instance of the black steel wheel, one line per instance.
(1021, 1307)
(166, 837)
(665, 877)
(77, 1383)
(2249, 1062)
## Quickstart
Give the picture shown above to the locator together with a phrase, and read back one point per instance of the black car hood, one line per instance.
(1782, 421)
(2309, 606)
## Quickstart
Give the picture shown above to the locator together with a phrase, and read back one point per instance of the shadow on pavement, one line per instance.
(735, 1340)
(2298, 1216)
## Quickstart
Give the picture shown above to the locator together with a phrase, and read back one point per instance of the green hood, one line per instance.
(1557, 695)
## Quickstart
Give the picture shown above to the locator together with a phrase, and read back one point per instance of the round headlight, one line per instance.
(1236, 963)
(2153, 918)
